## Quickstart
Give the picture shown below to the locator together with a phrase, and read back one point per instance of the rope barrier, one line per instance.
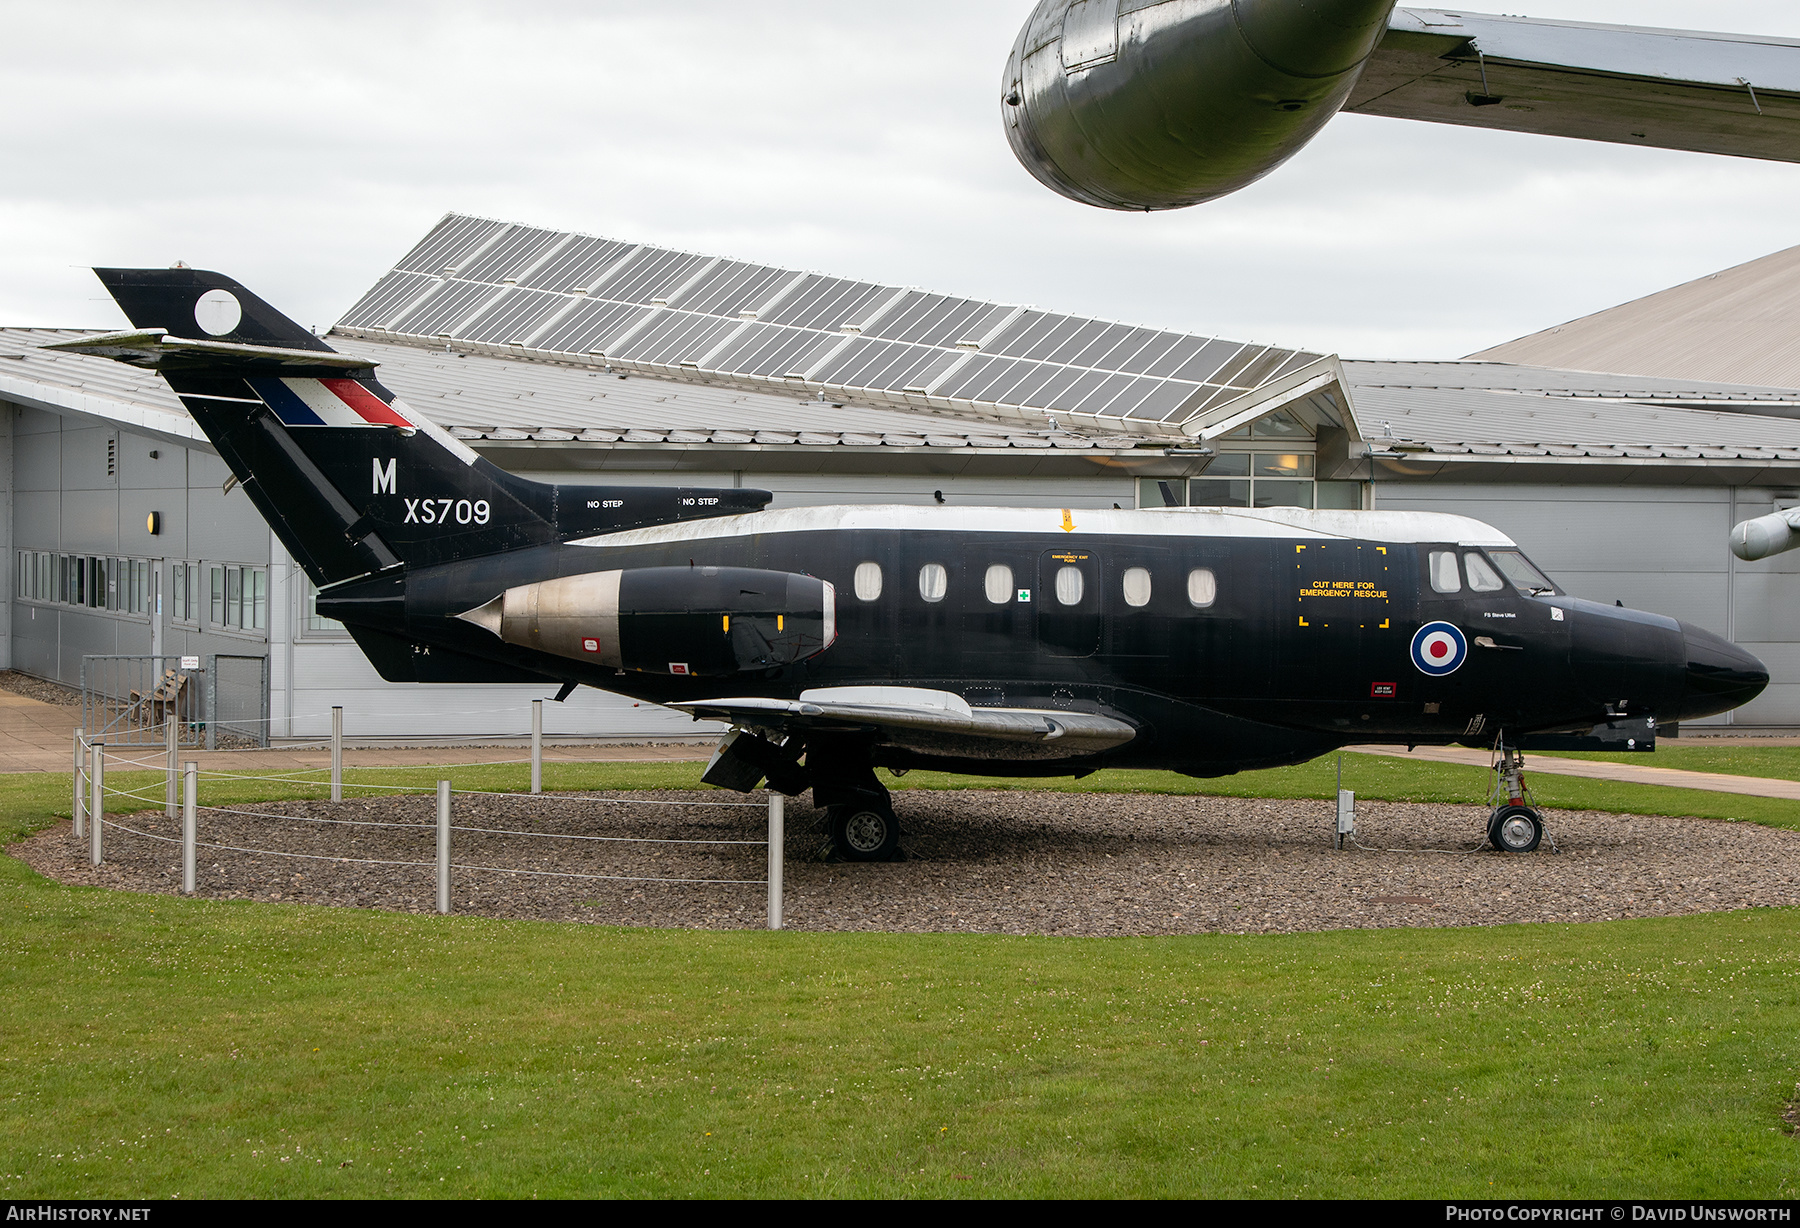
(233, 848)
(619, 878)
(488, 831)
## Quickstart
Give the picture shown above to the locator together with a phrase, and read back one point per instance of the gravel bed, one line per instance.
(978, 861)
(38, 689)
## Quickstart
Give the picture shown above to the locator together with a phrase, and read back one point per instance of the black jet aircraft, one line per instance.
(835, 640)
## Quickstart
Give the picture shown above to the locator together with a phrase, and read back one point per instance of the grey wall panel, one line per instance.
(37, 520)
(1766, 608)
(90, 521)
(1654, 529)
(138, 470)
(34, 640)
(9, 568)
(225, 527)
(37, 422)
(84, 458)
(135, 507)
(37, 456)
(1695, 599)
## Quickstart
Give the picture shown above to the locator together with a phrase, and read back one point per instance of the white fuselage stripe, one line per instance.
(1393, 527)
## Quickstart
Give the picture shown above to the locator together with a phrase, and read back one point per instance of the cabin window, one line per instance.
(868, 581)
(997, 585)
(1069, 585)
(1444, 576)
(934, 581)
(1203, 588)
(1482, 576)
(1137, 586)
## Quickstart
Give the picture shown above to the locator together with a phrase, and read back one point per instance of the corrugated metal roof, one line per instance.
(1742, 323)
(1474, 409)
(1457, 412)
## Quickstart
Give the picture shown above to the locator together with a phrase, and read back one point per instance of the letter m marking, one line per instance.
(383, 478)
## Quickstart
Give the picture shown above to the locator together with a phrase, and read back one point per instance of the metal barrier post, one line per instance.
(190, 827)
(537, 746)
(80, 808)
(97, 805)
(443, 847)
(171, 736)
(337, 754)
(777, 814)
(212, 702)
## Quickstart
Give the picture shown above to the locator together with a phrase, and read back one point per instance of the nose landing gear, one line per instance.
(1515, 825)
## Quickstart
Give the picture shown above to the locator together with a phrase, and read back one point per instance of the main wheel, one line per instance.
(1515, 829)
(865, 831)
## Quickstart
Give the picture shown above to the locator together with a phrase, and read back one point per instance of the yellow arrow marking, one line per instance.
(1068, 523)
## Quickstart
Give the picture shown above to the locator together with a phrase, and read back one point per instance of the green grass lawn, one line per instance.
(1776, 762)
(152, 1046)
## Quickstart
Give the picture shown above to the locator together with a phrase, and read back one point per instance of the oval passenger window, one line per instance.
(868, 581)
(1069, 585)
(934, 581)
(1137, 586)
(997, 585)
(1203, 588)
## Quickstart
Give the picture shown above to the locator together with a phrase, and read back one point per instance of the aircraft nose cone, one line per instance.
(1720, 675)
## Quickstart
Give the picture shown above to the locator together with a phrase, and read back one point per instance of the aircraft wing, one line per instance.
(936, 722)
(1732, 94)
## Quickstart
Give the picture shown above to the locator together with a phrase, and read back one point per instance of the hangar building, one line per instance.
(574, 358)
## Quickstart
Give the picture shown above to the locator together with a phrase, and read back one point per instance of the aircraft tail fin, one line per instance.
(350, 478)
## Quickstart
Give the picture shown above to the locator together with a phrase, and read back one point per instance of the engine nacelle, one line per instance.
(705, 621)
(1164, 105)
(1766, 535)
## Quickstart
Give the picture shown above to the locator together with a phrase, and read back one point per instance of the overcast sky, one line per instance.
(302, 148)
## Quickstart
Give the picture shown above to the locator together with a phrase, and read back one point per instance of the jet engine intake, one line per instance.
(704, 621)
(1173, 103)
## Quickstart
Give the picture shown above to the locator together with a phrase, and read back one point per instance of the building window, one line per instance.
(239, 597)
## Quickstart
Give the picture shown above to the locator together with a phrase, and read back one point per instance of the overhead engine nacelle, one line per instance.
(1133, 105)
(1766, 535)
(705, 621)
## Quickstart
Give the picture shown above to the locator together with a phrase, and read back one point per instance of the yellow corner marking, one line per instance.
(1068, 524)
(1383, 627)
(1298, 549)
(1304, 623)
(1383, 549)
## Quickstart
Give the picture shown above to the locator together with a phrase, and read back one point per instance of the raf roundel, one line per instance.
(217, 312)
(1438, 649)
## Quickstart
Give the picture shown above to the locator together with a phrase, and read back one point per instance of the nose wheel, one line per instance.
(1515, 825)
(1515, 829)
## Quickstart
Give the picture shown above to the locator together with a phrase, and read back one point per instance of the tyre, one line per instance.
(1515, 829)
(864, 832)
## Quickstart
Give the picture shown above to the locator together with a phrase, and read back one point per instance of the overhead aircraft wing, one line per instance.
(1733, 94)
(936, 722)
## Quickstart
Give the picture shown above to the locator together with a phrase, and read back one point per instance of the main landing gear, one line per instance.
(1514, 826)
(859, 815)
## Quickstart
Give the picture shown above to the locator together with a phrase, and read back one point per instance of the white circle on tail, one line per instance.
(1438, 649)
(217, 312)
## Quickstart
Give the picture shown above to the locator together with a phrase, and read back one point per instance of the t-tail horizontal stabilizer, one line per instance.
(351, 479)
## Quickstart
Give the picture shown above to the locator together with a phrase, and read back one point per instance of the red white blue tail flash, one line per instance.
(326, 402)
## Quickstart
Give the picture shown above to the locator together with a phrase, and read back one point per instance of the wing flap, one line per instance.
(1670, 89)
(154, 348)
